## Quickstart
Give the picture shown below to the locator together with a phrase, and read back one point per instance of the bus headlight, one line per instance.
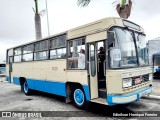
(150, 76)
(127, 82)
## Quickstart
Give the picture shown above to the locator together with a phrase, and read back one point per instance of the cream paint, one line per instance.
(55, 70)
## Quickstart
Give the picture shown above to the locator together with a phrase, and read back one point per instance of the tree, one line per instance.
(37, 19)
(83, 3)
(123, 9)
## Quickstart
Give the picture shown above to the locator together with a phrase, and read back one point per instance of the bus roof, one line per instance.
(89, 28)
(58, 34)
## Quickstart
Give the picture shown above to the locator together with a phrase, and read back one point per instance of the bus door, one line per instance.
(10, 69)
(97, 69)
(101, 68)
(93, 71)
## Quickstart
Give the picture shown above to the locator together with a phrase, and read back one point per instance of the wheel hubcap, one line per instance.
(79, 97)
(25, 87)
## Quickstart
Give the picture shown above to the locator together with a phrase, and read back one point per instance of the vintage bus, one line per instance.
(104, 62)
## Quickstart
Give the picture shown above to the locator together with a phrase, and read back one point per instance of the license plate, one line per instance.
(147, 92)
(138, 81)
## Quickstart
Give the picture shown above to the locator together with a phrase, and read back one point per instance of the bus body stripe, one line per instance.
(86, 90)
(126, 98)
(16, 81)
(8, 79)
(58, 88)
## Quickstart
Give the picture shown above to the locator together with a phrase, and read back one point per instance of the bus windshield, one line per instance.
(124, 47)
(125, 52)
(142, 49)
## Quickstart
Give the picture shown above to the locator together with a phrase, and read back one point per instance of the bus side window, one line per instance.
(75, 55)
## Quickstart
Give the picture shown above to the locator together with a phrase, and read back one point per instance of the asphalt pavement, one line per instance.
(12, 99)
(156, 87)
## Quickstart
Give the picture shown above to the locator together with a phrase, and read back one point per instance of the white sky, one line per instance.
(17, 18)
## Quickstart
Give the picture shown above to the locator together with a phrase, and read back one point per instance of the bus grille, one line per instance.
(140, 79)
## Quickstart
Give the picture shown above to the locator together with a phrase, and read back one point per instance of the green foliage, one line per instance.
(36, 6)
(123, 3)
(83, 3)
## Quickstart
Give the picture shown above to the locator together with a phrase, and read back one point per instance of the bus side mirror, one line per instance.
(111, 39)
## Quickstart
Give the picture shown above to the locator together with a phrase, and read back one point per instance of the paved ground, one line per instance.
(156, 87)
(12, 99)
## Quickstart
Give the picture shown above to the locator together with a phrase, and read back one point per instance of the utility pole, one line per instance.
(47, 18)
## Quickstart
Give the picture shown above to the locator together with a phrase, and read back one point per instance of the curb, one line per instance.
(152, 97)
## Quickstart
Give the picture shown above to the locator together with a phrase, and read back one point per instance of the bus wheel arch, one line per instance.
(24, 86)
(76, 94)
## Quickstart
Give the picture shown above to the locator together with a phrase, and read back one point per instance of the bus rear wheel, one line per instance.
(79, 99)
(25, 88)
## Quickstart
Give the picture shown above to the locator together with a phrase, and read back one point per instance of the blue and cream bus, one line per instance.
(3, 71)
(113, 70)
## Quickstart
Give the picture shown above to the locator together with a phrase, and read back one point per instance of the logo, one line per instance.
(6, 114)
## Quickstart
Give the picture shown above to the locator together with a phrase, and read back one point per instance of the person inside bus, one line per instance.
(81, 59)
(101, 58)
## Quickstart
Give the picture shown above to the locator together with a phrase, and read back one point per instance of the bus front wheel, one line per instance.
(80, 99)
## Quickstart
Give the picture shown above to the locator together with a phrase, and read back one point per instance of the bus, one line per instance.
(156, 65)
(105, 62)
(2, 69)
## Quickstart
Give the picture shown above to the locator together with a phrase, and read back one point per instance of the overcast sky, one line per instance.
(17, 18)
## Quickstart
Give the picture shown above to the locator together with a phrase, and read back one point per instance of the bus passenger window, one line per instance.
(41, 50)
(76, 54)
(27, 53)
(81, 59)
(17, 54)
(58, 47)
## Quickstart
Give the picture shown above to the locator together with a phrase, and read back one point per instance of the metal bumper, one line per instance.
(128, 98)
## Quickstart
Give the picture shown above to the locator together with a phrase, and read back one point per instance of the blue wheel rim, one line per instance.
(26, 87)
(79, 96)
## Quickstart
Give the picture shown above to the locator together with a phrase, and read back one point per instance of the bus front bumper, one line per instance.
(128, 98)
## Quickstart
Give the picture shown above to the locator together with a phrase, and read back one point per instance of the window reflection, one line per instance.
(28, 53)
(17, 54)
(58, 50)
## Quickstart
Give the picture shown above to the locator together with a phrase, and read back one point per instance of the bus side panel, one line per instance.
(17, 69)
(57, 88)
(87, 92)
(46, 76)
(57, 71)
(44, 86)
(16, 80)
(79, 76)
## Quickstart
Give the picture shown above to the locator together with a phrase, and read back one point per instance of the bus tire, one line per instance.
(79, 99)
(25, 88)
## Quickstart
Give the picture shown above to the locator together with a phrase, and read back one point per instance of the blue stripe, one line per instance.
(8, 79)
(58, 88)
(86, 90)
(16, 81)
(109, 97)
(47, 86)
